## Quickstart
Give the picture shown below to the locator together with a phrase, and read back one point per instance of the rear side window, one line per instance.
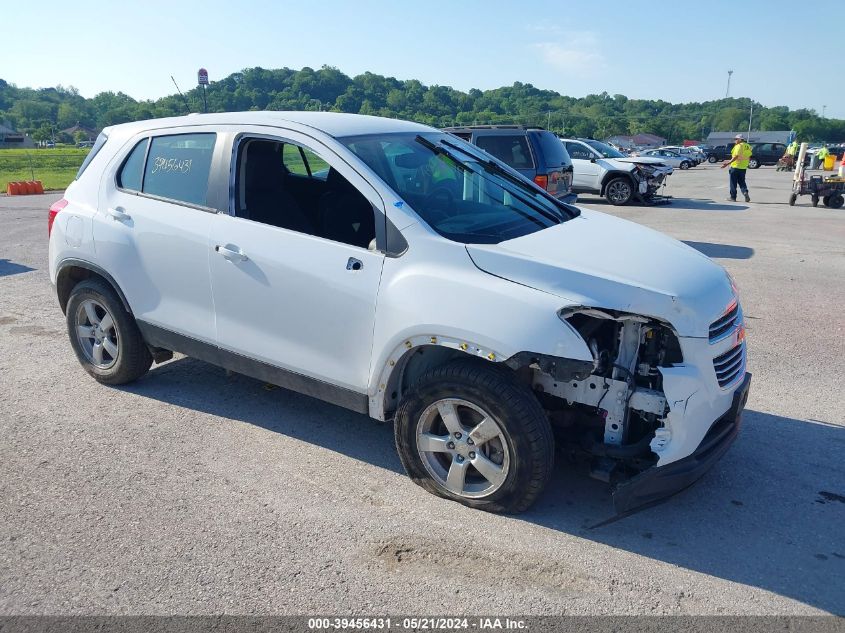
(98, 145)
(178, 167)
(132, 171)
(552, 150)
(512, 150)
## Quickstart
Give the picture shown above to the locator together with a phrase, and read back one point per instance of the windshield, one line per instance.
(460, 191)
(605, 150)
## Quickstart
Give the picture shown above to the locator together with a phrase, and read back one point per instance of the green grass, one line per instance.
(55, 168)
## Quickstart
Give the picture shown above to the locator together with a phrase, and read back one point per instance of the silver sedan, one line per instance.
(670, 158)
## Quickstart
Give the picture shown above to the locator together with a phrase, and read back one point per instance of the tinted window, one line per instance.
(178, 167)
(512, 150)
(553, 151)
(576, 150)
(133, 168)
(303, 162)
(98, 145)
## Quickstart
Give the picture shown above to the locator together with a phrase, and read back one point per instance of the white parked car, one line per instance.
(397, 271)
(602, 170)
(669, 157)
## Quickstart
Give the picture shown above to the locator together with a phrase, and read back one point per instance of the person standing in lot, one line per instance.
(821, 155)
(740, 154)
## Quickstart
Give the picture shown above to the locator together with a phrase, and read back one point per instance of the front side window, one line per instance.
(290, 186)
(576, 150)
(512, 150)
(457, 190)
(605, 150)
(178, 167)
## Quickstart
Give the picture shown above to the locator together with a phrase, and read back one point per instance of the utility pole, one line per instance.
(750, 116)
(728, 91)
(549, 126)
(824, 107)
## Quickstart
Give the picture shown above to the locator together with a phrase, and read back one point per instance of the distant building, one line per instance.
(10, 139)
(90, 134)
(645, 141)
(727, 138)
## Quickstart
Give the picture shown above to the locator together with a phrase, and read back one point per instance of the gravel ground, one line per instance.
(194, 492)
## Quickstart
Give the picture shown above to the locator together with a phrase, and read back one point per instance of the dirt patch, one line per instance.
(35, 330)
(5, 320)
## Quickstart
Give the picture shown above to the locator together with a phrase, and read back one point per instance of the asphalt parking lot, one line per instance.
(197, 492)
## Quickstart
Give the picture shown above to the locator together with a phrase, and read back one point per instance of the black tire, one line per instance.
(792, 198)
(685, 165)
(815, 200)
(826, 201)
(132, 358)
(528, 440)
(835, 201)
(619, 191)
(712, 159)
(753, 163)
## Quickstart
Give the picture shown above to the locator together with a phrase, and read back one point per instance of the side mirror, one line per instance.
(592, 159)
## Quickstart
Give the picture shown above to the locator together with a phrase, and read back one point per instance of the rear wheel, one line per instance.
(712, 159)
(836, 201)
(469, 432)
(104, 335)
(619, 191)
(792, 198)
(685, 165)
(753, 163)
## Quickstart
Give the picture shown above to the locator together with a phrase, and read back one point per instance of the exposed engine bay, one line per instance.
(649, 179)
(614, 413)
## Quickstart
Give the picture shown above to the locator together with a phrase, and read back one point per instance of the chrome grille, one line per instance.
(730, 366)
(724, 325)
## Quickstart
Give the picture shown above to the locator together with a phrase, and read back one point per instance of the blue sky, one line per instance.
(676, 51)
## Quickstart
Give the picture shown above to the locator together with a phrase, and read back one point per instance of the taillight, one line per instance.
(53, 212)
(542, 181)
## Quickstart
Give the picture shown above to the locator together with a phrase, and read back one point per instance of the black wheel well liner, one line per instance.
(71, 271)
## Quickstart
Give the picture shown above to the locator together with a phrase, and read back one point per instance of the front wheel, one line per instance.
(619, 191)
(104, 335)
(792, 198)
(712, 159)
(835, 201)
(753, 163)
(469, 432)
(685, 165)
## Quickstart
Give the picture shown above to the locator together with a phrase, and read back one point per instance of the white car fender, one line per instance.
(420, 304)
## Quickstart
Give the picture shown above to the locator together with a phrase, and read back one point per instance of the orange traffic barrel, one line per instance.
(28, 187)
(39, 188)
(13, 189)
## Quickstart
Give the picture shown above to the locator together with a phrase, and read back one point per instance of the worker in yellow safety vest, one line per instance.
(740, 155)
(822, 154)
(792, 149)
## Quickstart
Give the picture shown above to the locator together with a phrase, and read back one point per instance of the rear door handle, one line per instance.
(354, 264)
(118, 213)
(231, 254)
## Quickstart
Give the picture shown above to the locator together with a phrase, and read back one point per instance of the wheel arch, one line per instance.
(71, 271)
(615, 174)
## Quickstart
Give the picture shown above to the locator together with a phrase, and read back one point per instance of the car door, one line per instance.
(152, 232)
(285, 294)
(586, 172)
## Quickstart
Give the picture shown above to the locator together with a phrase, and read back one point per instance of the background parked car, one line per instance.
(670, 158)
(534, 152)
(604, 171)
(693, 154)
(718, 153)
(765, 154)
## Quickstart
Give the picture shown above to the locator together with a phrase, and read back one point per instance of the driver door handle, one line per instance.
(230, 254)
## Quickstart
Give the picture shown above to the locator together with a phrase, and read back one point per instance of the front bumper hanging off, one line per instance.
(660, 483)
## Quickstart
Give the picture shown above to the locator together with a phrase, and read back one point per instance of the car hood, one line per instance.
(642, 160)
(601, 261)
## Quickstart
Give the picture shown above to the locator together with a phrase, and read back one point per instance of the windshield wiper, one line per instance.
(443, 152)
(491, 165)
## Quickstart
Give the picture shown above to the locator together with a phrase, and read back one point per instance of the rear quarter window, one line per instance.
(132, 171)
(552, 150)
(178, 167)
(98, 145)
(512, 150)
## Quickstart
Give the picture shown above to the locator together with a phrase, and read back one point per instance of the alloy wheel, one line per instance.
(96, 333)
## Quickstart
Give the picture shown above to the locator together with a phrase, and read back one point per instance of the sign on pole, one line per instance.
(202, 77)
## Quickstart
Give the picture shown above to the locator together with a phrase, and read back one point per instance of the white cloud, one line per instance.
(578, 53)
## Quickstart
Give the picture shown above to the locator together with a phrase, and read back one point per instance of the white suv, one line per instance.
(600, 169)
(395, 270)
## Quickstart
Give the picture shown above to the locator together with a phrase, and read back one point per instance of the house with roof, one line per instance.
(727, 138)
(643, 141)
(90, 134)
(10, 139)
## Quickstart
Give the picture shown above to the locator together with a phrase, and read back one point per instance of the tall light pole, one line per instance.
(728, 90)
(824, 107)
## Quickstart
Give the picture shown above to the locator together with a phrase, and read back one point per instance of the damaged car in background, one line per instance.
(602, 170)
(403, 273)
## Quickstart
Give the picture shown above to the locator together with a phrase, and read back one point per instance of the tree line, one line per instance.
(43, 112)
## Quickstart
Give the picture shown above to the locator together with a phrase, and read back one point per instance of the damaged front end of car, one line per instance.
(650, 178)
(640, 413)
